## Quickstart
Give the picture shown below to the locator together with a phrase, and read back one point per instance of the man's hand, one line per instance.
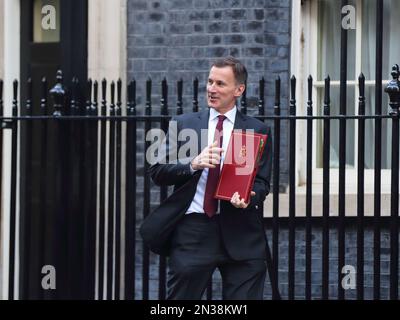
(239, 203)
(208, 158)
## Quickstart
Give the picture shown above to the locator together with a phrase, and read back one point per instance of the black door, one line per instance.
(53, 36)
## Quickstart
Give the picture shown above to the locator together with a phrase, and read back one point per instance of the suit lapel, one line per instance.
(240, 121)
(202, 124)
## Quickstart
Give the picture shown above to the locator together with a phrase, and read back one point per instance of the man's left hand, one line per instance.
(239, 203)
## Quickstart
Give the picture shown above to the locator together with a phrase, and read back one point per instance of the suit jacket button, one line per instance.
(256, 207)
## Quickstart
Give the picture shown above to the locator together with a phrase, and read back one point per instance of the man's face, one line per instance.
(222, 89)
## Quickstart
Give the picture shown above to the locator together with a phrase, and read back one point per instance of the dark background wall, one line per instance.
(179, 39)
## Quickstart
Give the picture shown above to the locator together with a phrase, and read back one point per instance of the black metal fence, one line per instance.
(77, 182)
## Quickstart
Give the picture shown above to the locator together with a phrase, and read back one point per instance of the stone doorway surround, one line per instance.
(107, 46)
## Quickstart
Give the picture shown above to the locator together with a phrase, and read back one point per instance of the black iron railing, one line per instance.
(80, 182)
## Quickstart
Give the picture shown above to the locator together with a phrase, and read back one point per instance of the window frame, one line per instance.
(307, 43)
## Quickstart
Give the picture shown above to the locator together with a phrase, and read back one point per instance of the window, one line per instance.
(361, 57)
(318, 42)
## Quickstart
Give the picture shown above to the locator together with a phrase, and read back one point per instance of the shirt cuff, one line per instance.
(191, 169)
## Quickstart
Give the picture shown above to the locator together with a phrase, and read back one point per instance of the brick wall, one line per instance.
(180, 38)
(350, 259)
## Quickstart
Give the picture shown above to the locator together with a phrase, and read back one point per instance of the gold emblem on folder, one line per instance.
(243, 151)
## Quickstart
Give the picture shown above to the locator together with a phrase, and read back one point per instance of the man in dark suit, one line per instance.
(227, 235)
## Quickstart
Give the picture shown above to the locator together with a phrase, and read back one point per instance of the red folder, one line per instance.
(240, 166)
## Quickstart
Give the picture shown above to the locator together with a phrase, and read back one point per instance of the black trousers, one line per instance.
(197, 250)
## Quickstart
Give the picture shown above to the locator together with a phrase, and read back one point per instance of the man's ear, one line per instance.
(239, 90)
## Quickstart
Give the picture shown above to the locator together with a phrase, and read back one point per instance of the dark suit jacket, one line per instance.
(242, 229)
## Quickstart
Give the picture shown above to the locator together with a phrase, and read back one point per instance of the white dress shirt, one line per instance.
(227, 127)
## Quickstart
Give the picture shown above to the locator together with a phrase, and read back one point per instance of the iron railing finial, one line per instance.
(393, 90)
(58, 94)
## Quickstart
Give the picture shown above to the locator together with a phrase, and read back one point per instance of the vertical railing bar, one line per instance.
(25, 215)
(86, 174)
(68, 283)
(378, 148)
(393, 89)
(164, 189)
(28, 181)
(394, 211)
(61, 190)
(195, 95)
(269, 259)
(261, 100)
(146, 194)
(292, 190)
(210, 282)
(1, 143)
(90, 232)
(275, 186)
(102, 236)
(179, 101)
(85, 168)
(130, 230)
(360, 189)
(43, 173)
(94, 188)
(76, 210)
(308, 252)
(74, 98)
(342, 156)
(14, 154)
(243, 101)
(111, 195)
(118, 194)
(325, 194)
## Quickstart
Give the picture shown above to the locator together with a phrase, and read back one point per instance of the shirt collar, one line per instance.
(230, 115)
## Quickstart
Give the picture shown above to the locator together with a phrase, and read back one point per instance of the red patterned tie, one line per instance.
(210, 203)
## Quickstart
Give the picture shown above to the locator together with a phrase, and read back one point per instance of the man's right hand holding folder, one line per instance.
(209, 158)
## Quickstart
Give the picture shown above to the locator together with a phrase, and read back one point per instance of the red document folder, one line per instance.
(240, 165)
